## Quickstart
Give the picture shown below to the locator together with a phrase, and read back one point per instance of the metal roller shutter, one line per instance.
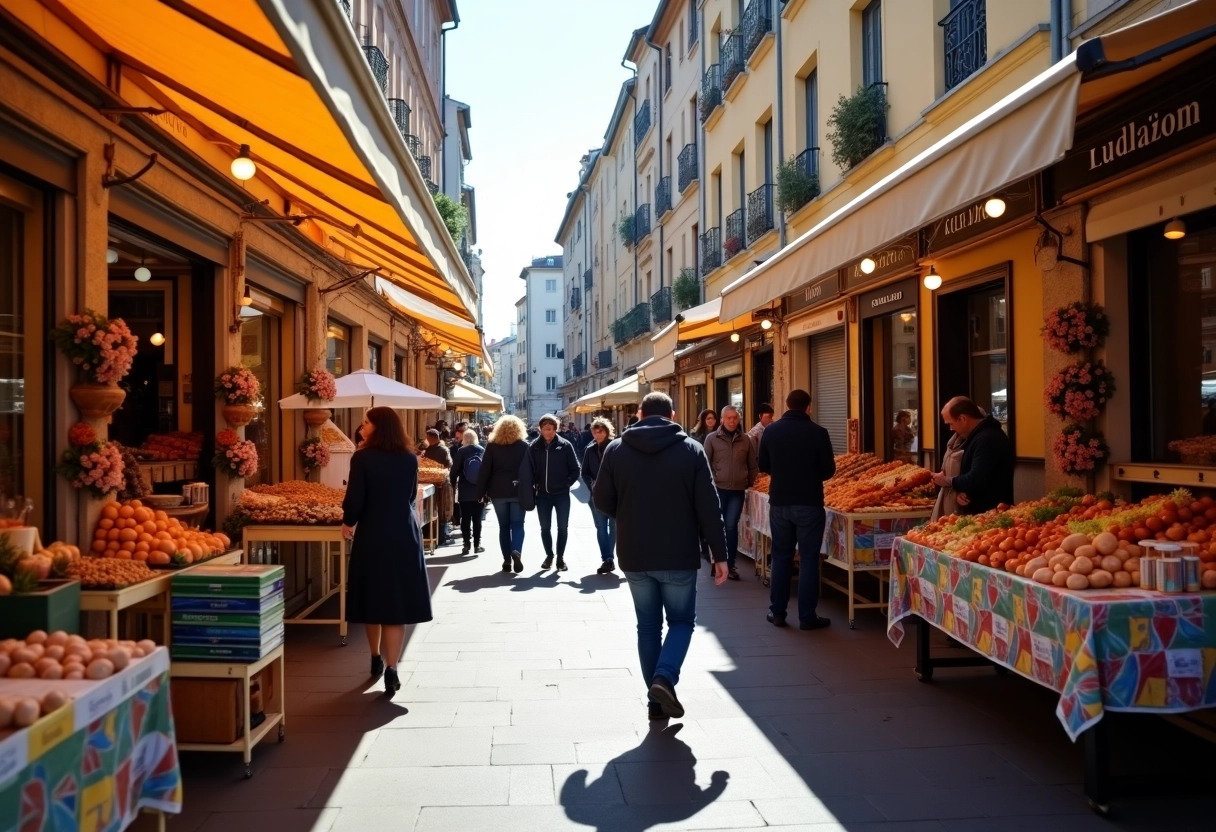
(829, 386)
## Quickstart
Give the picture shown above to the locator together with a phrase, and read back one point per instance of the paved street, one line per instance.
(522, 709)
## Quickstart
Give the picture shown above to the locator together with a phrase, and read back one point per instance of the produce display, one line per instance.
(1075, 540)
(864, 483)
(291, 503)
(132, 531)
(20, 572)
(431, 472)
(175, 445)
(108, 573)
(1197, 450)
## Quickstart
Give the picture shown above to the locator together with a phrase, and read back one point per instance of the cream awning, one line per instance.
(465, 395)
(1024, 133)
(288, 78)
(623, 392)
(663, 363)
(457, 333)
(704, 321)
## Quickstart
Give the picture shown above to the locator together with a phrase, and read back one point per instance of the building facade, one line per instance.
(541, 338)
(502, 355)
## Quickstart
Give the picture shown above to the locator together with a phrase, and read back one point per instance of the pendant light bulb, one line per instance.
(157, 339)
(1175, 229)
(111, 256)
(766, 324)
(734, 337)
(143, 274)
(994, 207)
(243, 168)
(246, 299)
(458, 365)
(868, 265)
(933, 280)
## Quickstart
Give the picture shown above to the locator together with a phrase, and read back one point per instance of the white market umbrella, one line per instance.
(363, 388)
(623, 392)
(468, 396)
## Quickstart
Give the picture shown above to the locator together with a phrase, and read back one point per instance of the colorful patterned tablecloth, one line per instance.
(874, 535)
(1117, 650)
(753, 521)
(100, 776)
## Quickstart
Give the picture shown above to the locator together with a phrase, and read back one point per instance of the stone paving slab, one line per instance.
(522, 708)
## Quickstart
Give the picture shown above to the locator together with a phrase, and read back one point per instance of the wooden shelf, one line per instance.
(1164, 473)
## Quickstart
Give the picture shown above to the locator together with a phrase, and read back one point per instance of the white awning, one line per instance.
(363, 388)
(1022, 134)
(465, 395)
(663, 363)
(623, 392)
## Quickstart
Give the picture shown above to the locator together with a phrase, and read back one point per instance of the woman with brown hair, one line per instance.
(707, 423)
(387, 587)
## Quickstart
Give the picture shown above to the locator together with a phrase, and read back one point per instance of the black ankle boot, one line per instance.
(377, 666)
(391, 683)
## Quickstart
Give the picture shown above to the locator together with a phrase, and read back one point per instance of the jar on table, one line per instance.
(1148, 564)
(1170, 577)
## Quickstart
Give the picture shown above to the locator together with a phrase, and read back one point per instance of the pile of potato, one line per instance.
(1082, 562)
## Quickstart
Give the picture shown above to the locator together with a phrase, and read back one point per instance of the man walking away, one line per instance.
(655, 482)
(797, 453)
(732, 461)
(554, 470)
(765, 415)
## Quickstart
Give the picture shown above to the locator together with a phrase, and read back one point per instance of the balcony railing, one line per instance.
(965, 38)
(576, 299)
(687, 164)
(345, 4)
(587, 281)
(757, 22)
(641, 222)
(662, 197)
(414, 144)
(579, 365)
(378, 64)
(424, 165)
(603, 359)
(807, 162)
(732, 58)
(634, 323)
(734, 240)
(880, 132)
(641, 122)
(759, 213)
(711, 250)
(660, 306)
(401, 115)
(711, 90)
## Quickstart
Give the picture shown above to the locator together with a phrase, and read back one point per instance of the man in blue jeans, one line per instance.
(797, 453)
(655, 482)
(554, 470)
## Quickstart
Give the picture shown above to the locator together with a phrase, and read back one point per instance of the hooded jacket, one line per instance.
(554, 465)
(655, 481)
(732, 459)
(987, 470)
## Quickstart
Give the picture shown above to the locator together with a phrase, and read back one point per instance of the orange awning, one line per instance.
(291, 81)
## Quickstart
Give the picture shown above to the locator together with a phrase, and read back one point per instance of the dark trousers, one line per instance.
(470, 515)
(546, 504)
(801, 526)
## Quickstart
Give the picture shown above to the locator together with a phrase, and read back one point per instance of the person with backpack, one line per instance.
(465, 469)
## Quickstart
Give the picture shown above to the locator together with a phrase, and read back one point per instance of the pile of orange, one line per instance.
(133, 531)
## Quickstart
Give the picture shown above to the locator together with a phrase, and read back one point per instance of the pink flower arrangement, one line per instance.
(92, 464)
(237, 385)
(314, 454)
(1076, 327)
(1080, 450)
(103, 348)
(1080, 391)
(237, 456)
(318, 386)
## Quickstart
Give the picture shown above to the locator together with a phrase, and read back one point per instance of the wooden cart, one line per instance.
(861, 542)
(333, 566)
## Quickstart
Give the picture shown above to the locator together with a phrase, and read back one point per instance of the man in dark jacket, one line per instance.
(986, 478)
(554, 470)
(797, 453)
(655, 482)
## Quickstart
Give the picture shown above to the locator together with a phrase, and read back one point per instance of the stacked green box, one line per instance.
(227, 613)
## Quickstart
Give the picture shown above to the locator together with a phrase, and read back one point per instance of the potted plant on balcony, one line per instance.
(858, 125)
(795, 186)
(627, 228)
(104, 350)
(732, 246)
(686, 291)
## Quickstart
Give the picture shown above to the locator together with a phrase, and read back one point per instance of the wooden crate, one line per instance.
(207, 710)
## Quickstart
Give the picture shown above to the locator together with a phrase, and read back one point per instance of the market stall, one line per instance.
(862, 543)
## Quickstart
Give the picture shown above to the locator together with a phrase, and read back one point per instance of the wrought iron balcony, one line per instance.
(965, 39)
(603, 359)
(576, 299)
(687, 164)
(634, 323)
(880, 95)
(378, 64)
(641, 122)
(735, 240)
(345, 4)
(579, 365)
(662, 197)
(711, 90)
(733, 59)
(660, 306)
(757, 22)
(587, 282)
(759, 213)
(807, 162)
(711, 250)
(433, 187)
(401, 115)
(414, 144)
(424, 165)
(641, 222)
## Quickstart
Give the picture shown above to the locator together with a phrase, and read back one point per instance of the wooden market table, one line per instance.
(275, 707)
(151, 596)
(428, 516)
(1128, 650)
(861, 542)
(333, 565)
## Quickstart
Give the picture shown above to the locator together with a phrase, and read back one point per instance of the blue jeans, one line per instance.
(510, 516)
(545, 505)
(732, 510)
(801, 525)
(605, 532)
(673, 591)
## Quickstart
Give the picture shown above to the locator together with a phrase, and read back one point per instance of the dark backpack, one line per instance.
(471, 469)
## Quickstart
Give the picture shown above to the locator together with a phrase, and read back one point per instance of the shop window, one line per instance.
(151, 403)
(373, 357)
(891, 362)
(1172, 341)
(399, 367)
(12, 352)
(973, 360)
(259, 338)
(337, 349)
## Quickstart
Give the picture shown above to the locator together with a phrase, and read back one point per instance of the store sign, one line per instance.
(695, 379)
(819, 321)
(723, 349)
(1177, 111)
(889, 298)
(972, 220)
(899, 256)
(815, 292)
(729, 368)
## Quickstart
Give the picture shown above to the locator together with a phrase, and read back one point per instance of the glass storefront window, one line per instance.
(12, 349)
(904, 390)
(337, 349)
(373, 357)
(989, 362)
(258, 337)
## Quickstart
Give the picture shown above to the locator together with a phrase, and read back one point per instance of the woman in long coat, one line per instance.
(505, 479)
(387, 587)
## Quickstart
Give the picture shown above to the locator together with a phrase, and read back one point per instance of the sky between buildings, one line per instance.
(541, 77)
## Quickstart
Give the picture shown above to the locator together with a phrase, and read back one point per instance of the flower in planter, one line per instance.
(92, 464)
(1080, 450)
(237, 385)
(238, 457)
(1076, 327)
(732, 246)
(318, 386)
(313, 454)
(102, 348)
(1080, 391)
(81, 434)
